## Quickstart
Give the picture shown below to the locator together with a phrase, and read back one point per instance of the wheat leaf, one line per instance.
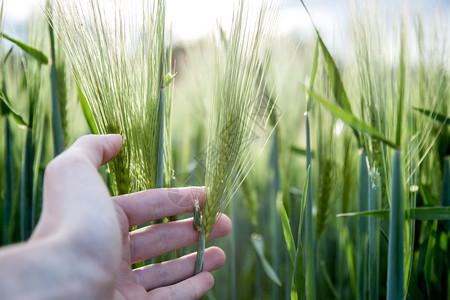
(351, 120)
(38, 55)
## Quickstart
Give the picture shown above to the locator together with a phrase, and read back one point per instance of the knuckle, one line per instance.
(194, 289)
(162, 275)
(65, 162)
(132, 249)
(162, 241)
(173, 294)
(157, 207)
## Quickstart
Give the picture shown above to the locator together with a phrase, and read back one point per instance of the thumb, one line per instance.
(74, 192)
(77, 207)
(98, 149)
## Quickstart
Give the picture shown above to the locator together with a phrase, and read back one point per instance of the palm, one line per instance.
(78, 203)
(127, 287)
(169, 278)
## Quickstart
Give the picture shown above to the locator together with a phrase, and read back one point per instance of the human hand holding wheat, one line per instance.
(82, 248)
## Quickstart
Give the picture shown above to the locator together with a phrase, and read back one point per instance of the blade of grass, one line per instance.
(288, 236)
(258, 244)
(313, 73)
(298, 290)
(351, 120)
(41, 57)
(87, 111)
(401, 88)
(417, 213)
(296, 258)
(8, 109)
(332, 71)
(348, 248)
(328, 280)
(395, 283)
(8, 55)
(298, 150)
(334, 77)
(306, 190)
(305, 287)
(425, 194)
(380, 213)
(432, 114)
(445, 194)
(274, 218)
(429, 258)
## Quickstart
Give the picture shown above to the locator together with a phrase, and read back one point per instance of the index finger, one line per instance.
(155, 204)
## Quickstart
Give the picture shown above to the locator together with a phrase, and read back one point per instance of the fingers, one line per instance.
(191, 288)
(150, 205)
(158, 239)
(167, 273)
(98, 149)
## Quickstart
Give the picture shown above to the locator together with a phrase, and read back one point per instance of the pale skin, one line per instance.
(82, 248)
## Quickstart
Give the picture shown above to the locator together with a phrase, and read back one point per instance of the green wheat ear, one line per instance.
(325, 171)
(241, 112)
(107, 46)
(119, 167)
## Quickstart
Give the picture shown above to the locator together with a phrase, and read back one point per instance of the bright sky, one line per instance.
(191, 19)
(194, 18)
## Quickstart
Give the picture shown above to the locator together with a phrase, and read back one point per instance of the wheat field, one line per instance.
(333, 163)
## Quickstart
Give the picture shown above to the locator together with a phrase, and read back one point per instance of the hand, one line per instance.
(82, 249)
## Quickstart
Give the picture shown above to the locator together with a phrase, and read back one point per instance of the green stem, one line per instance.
(445, 195)
(309, 231)
(233, 261)
(401, 93)
(374, 235)
(58, 132)
(200, 252)
(9, 185)
(26, 188)
(395, 284)
(362, 227)
(160, 162)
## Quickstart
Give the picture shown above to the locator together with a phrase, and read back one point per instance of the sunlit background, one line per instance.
(194, 19)
(279, 175)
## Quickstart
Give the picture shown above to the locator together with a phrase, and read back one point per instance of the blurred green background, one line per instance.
(389, 57)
